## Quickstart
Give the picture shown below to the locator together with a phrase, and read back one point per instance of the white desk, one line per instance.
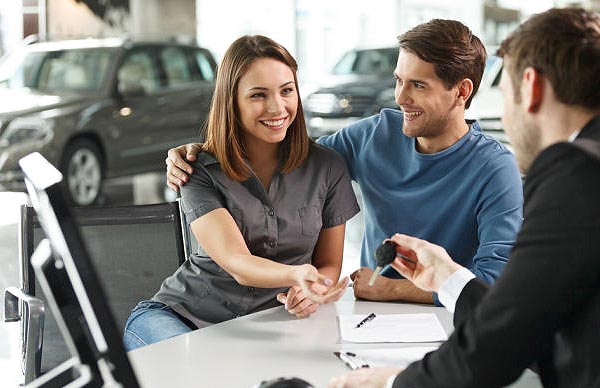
(268, 344)
(244, 351)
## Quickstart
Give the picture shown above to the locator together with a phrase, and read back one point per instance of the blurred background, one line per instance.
(103, 88)
(106, 110)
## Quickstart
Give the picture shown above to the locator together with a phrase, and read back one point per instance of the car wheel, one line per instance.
(82, 169)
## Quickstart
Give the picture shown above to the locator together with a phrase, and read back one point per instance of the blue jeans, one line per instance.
(151, 322)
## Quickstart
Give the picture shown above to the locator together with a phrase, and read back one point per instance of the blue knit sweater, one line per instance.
(467, 198)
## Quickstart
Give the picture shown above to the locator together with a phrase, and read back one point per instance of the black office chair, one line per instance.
(134, 248)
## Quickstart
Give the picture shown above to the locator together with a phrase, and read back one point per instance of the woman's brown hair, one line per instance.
(224, 132)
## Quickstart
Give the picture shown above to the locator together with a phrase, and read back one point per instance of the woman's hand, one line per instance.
(296, 303)
(307, 276)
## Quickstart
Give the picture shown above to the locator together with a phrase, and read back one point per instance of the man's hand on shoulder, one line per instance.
(177, 167)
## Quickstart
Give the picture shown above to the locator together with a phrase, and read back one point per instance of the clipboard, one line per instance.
(351, 360)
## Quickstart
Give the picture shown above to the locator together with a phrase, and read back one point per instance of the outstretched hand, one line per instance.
(432, 264)
(311, 282)
(298, 304)
(177, 167)
(365, 378)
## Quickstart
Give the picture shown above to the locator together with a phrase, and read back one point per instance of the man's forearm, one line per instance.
(388, 290)
(405, 291)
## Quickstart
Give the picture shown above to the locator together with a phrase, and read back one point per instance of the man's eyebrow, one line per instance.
(413, 80)
(263, 88)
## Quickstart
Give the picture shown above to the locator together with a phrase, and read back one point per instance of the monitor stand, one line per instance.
(74, 372)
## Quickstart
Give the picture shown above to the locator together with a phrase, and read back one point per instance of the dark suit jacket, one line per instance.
(544, 310)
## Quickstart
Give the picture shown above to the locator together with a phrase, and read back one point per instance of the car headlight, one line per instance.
(325, 103)
(26, 130)
(387, 95)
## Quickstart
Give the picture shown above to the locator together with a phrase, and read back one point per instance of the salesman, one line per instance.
(544, 311)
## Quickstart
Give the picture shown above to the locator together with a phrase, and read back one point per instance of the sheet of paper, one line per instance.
(392, 328)
(400, 357)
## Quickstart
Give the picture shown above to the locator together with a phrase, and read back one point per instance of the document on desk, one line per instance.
(392, 328)
(375, 357)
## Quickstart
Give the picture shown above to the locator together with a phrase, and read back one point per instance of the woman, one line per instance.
(267, 206)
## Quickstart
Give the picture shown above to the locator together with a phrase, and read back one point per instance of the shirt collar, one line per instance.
(573, 136)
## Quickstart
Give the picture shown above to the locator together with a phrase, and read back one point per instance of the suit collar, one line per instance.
(588, 139)
(591, 129)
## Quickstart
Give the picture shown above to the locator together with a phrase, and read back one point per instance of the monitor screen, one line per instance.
(71, 285)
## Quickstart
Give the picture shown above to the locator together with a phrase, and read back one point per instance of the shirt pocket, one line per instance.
(311, 220)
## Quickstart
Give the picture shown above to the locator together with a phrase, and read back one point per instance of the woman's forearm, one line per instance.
(256, 271)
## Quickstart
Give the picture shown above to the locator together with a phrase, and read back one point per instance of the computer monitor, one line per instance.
(72, 288)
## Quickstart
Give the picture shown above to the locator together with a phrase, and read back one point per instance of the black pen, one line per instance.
(346, 360)
(369, 317)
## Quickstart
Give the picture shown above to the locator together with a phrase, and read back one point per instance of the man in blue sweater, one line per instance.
(423, 170)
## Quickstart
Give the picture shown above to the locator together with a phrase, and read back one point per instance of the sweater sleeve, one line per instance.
(499, 216)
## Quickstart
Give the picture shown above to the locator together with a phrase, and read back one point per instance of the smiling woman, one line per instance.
(268, 101)
(267, 206)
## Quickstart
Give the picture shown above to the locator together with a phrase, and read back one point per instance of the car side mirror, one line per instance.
(131, 88)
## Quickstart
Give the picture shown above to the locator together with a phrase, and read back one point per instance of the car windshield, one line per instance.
(492, 72)
(375, 61)
(56, 71)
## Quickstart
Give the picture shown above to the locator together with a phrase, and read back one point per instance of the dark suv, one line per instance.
(100, 108)
(360, 79)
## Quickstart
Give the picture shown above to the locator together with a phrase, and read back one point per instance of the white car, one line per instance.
(486, 106)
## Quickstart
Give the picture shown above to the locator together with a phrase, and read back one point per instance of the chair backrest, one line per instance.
(133, 248)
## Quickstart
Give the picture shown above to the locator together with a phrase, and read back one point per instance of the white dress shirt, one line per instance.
(448, 295)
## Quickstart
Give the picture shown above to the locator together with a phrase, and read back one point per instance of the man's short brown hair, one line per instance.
(563, 45)
(451, 48)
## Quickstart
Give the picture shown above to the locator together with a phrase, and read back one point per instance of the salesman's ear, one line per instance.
(532, 89)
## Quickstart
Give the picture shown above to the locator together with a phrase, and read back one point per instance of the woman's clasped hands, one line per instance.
(312, 289)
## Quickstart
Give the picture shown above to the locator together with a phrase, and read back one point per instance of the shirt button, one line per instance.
(272, 244)
(250, 288)
(271, 212)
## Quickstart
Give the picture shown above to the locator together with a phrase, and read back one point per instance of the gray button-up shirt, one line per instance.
(282, 225)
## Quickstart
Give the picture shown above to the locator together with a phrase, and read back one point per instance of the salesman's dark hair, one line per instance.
(451, 47)
(563, 45)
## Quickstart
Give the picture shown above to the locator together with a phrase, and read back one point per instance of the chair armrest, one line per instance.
(70, 373)
(12, 296)
(33, 328)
